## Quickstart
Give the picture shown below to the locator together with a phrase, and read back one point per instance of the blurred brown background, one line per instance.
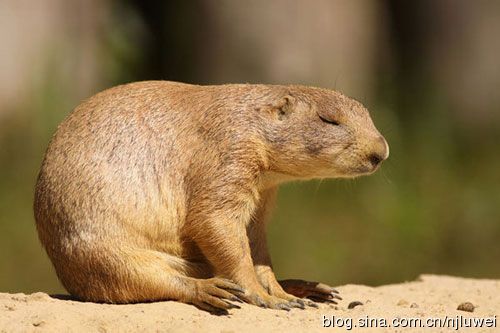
(428, 70)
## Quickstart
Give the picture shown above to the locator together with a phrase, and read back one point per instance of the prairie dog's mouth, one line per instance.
(358, 172)
(363, 168)
(366, 169)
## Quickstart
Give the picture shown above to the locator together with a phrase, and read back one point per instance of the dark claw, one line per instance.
(236, 299)
(321, 296)
(297, 305)
(233, 306)
(336, 296)
(283, 306)
(221, 312)
(212, 309)
(312, 304)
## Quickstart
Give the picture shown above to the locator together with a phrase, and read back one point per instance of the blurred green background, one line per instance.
(429, 72)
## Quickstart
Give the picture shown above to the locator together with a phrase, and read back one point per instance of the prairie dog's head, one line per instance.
(320, 133)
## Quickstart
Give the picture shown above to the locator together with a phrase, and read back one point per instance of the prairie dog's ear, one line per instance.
(285, 106)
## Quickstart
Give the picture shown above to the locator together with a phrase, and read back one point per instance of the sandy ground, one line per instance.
(429, 296)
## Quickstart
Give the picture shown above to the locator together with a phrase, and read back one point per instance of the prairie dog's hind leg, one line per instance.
(129, 275)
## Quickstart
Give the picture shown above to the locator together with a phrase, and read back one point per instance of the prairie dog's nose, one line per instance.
(380, 151)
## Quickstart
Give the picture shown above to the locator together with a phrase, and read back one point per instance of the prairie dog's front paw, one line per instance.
(264, 300)
(268, 281)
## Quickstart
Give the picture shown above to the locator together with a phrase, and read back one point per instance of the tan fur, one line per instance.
(159, 190)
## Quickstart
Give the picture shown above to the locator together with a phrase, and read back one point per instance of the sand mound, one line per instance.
(434, 297)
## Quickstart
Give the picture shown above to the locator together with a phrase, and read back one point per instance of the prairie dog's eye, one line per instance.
(328, 121)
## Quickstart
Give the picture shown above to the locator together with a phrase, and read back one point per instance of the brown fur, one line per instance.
(160, 190)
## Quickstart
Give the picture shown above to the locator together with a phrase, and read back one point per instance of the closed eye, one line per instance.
(332, 122)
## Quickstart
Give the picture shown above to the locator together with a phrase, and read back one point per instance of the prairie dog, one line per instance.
(160, 190)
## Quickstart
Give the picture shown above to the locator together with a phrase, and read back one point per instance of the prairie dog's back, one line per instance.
(119, 159)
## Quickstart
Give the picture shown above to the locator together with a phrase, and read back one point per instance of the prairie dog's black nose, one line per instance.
(375, 159)
(380, 152)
